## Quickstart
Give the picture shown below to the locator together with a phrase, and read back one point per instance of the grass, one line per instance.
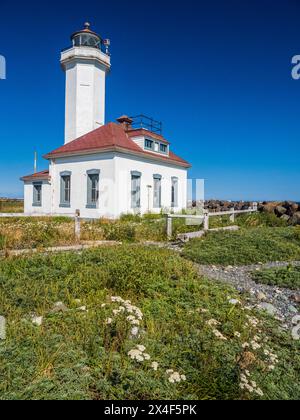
(11, 206)
(288, 277)
(31, 232)
(77, 354)
(247, 246)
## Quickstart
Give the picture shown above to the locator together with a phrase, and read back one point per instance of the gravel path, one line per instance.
(277, 301)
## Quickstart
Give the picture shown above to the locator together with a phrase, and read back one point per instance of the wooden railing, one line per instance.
(205, 217)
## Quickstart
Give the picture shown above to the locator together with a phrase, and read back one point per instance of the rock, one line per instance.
(269, 308)
(234, 302)
(296, 298)
(37, 320)
(285, 217)
(59, 307)
(280, 211)
(295, 219)
(293, 309)
(261, 296)
(2, 328)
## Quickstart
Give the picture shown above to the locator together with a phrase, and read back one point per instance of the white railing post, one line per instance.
(255, 206)
(169, 227)
(232, 217)
(77, 225)
(206, 220)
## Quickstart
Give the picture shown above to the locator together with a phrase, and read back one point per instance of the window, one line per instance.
(37, 194)
(149, 144)
(174, 192)
(65, 189)
(136, 190)
(163, 148)
(157, 191)
(92, 188)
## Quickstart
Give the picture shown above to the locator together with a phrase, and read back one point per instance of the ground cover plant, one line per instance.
(283, 277)
(246, 246)
(133, 322)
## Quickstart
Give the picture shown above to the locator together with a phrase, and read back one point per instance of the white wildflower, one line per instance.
(213, 323)
(141, 348)
(134, 331)
(154, 365)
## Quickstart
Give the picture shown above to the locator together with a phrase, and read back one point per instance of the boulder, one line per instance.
(269, 308)
(285, 217)
(295, 219)
(59, 307)
(280, 211)
(296, 298)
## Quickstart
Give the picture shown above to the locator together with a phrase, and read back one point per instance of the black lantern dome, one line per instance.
(86, 38)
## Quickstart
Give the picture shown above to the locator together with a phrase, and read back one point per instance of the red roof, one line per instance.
(112, 137)
(37, 176)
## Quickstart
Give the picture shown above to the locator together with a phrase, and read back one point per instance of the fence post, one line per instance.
(206, 220)
(255, 206)
(169, 227)
(232, 217)
(77, 225)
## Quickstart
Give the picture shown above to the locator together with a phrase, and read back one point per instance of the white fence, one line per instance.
(205, 217)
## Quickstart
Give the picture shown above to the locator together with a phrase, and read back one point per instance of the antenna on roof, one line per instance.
(106, 43)
(35, 162)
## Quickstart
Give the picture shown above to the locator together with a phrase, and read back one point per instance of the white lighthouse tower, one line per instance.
(86, 65)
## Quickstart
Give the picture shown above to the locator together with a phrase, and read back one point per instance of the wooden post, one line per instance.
(206, 221)
(232, 217)
(169, 228)
(77, 225)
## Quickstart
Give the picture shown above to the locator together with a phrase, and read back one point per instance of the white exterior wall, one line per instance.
(124, 166)
(86, 70)
(46, 198)
(79, 166)
(114, 186)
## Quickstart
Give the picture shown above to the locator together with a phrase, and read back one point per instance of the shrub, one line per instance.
(283, 277)
(244, 247)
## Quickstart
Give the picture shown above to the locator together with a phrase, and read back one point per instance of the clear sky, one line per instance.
(216, 73)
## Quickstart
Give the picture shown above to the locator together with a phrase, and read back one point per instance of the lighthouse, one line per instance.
(86, 64)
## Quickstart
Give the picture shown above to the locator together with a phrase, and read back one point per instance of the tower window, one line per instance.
(37, 194)
(149, 144)
(65, 189)
(136, 190)
(163, 148)
(157, 191)
(174, 192)
(92, 188)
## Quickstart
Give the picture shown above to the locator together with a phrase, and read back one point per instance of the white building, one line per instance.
(104, 170)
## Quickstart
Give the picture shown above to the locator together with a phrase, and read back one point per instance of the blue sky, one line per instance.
(216, 73)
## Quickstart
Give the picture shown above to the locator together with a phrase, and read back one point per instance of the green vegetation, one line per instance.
(185, 322)
(247, 246)
(283, 277)
(11, 206)
(31, 232)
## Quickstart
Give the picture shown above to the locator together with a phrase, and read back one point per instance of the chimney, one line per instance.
(126, 122)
